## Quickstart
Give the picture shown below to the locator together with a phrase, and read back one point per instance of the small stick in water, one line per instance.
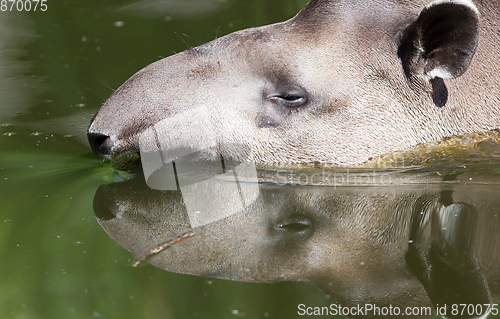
(160, 247)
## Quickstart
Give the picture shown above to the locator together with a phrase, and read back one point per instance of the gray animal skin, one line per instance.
(410, 246)
(341, 82)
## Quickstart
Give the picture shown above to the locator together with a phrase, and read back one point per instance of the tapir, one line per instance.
(409, 246)
(341, 82)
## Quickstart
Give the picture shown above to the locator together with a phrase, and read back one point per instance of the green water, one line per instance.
(56, 68)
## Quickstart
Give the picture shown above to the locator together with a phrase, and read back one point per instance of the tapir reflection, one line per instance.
(408, 246)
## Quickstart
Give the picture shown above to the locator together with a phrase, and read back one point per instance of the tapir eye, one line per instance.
(293, 100)
(290, 97)
(294, 225)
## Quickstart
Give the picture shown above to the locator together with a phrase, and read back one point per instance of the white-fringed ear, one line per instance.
(442, 41)
(467, 3)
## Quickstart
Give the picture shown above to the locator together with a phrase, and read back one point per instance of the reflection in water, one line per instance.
(418, 245)
(211, 189)
(161, 247)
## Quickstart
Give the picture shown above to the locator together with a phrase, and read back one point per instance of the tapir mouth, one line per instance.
(129, 159)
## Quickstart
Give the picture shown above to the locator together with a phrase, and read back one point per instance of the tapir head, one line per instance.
(340, 82)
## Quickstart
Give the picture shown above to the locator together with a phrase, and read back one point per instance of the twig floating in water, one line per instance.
(160, 247)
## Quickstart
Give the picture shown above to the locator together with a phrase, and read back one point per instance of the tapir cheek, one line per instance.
(266, 122)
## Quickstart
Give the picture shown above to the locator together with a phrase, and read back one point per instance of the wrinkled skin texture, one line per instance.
(341, 82)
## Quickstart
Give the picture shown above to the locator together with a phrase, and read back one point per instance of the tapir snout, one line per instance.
(341, 82)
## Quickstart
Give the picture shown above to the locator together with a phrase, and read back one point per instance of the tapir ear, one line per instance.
(442, 41)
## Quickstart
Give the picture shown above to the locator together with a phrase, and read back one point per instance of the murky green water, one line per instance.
(56, 68)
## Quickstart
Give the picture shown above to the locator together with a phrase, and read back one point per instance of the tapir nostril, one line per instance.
(101, 144)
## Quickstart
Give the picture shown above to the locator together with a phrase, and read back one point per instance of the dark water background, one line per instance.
(56, 68)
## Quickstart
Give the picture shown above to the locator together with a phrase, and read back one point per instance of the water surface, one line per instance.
(56, 68)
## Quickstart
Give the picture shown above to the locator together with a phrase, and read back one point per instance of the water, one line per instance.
(57, 67)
